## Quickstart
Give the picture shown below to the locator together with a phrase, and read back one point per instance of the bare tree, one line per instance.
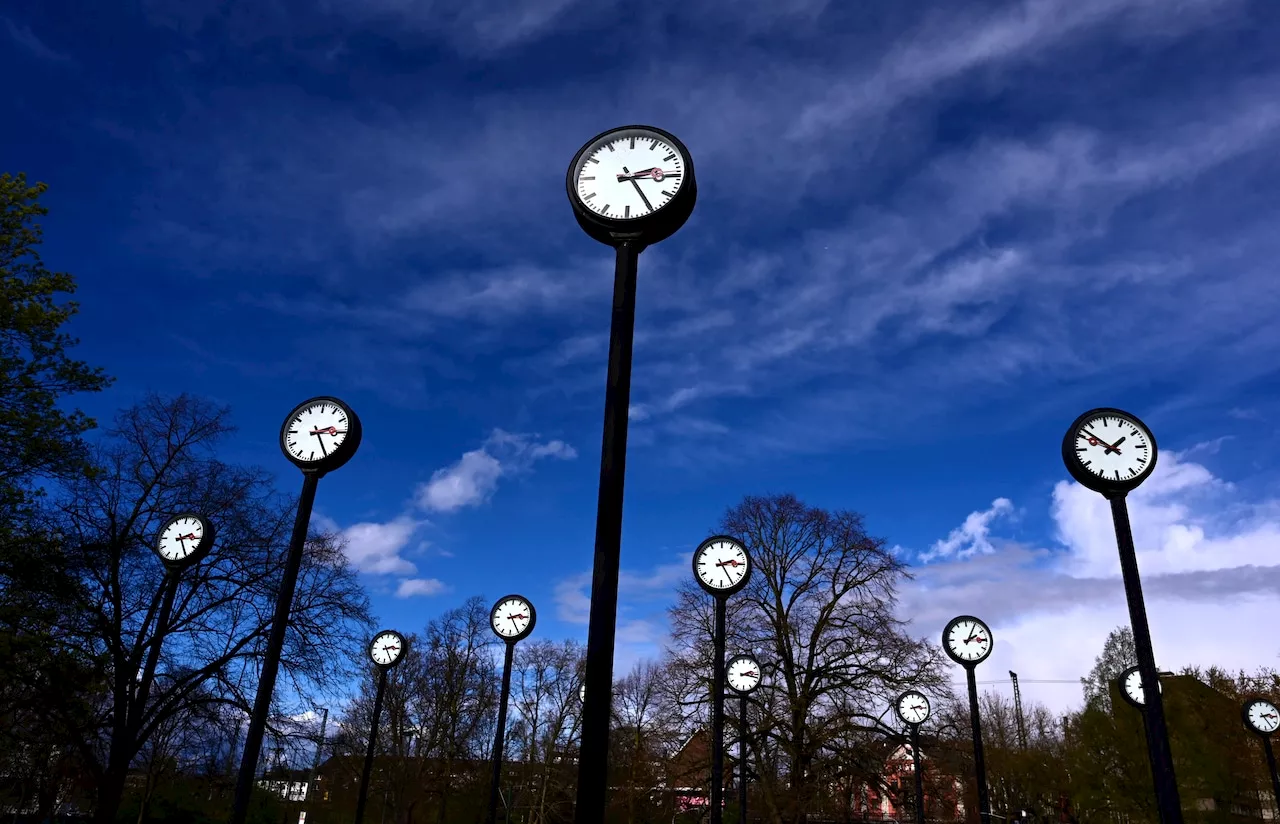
(545, 700)
(1118, 654)
(820, 608)
(158, 460)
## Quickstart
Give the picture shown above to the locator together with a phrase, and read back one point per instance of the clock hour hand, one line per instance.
(639, 191)
(1094, 440)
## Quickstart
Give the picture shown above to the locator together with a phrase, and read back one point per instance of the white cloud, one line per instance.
(375, 548)
(1210, 578)
(971, 536)
(420, 586)
(474, 478)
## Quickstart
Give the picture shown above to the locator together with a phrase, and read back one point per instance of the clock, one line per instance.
(185, 539)
(742, 674)
(1261, 716)
(967, 640)
(722, 565)
(1131, 687)
(636, 182)
(912, 707)
(320, 435)
(512, 618)
(1109, 451)
(582, 693)
(386, 648)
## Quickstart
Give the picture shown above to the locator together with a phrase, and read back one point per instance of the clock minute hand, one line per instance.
(1110, 447)
(639, 191)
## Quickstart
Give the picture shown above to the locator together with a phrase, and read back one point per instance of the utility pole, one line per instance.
(1017, 709)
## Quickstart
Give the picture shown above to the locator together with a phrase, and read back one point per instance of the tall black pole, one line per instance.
(979, 762)
(717, 716)
(500, 734)
(373, 747)
(170, 590)
(1271, 767)
(1166, 783)
(915, 764)
(275, 643)
(742, 760)
(593, 756)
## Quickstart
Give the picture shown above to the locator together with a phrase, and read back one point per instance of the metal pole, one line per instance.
(275, 643)
(373, 748)
(915, 761)
(170, 586)
(742, 760)
(593, 757)
(1271, 767)
(717, 716)
(979, 762)
(498, 736)
(1166, 784)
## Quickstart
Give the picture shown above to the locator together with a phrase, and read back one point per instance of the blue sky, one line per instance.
(927, 237)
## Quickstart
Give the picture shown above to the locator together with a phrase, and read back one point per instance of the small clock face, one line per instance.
(1133, 687)
(967, 639)
(181, 538)
(512, 617)
(1263, 716)
(1114, 447)
(721, 564)
(913, 707)
(582, 693)
(317, 431)
(743, 674)
(386, 649)
(629, 174)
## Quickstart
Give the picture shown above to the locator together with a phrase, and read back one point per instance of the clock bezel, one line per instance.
(1244, 714)
(964, 662)
(403, 648)
(206, 541)
(1108, 487)
(533, 618)
(337, 458)
(651, 228)
(744, 657)
(730, 590)
(897, 707)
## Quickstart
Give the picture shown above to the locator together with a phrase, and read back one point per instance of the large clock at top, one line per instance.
(1109, 451)
(633, 182)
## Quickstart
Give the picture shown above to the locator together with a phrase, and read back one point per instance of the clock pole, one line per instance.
(373, 746)
(1166, 784)
(915, 766)
(742, 759)
(500, 734)
(717, 714)
(1271, 767)
(979, 761)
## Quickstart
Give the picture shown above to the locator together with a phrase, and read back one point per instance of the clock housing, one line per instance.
(656, 224)
(722, 565)
(184, 540)
(1130, 683)
(512, 618)
(743, 674)
(967, 640)
(1109, 451)
(1261, 716)
(912, 707)
(387, 648)
(320, 435)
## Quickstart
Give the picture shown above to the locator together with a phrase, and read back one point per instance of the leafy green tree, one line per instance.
(1118, 654)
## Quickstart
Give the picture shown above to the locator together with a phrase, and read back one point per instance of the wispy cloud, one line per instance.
(971, 537)
(473, 479)
(27, 41)
(411, 587)
(375, 548)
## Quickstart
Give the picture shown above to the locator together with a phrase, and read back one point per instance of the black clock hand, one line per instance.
(322, 449)
(639, 191)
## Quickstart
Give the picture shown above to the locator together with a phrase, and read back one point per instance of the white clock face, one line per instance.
(1264, 717)
(316, 431)
(1133, 687)
(1114, 448)
(743, 674)
(722, 564)
(511, 617)
(629, 174)
(913, 708)
(969, 640)
(582, 693)
(181, 538)
(386, 649)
